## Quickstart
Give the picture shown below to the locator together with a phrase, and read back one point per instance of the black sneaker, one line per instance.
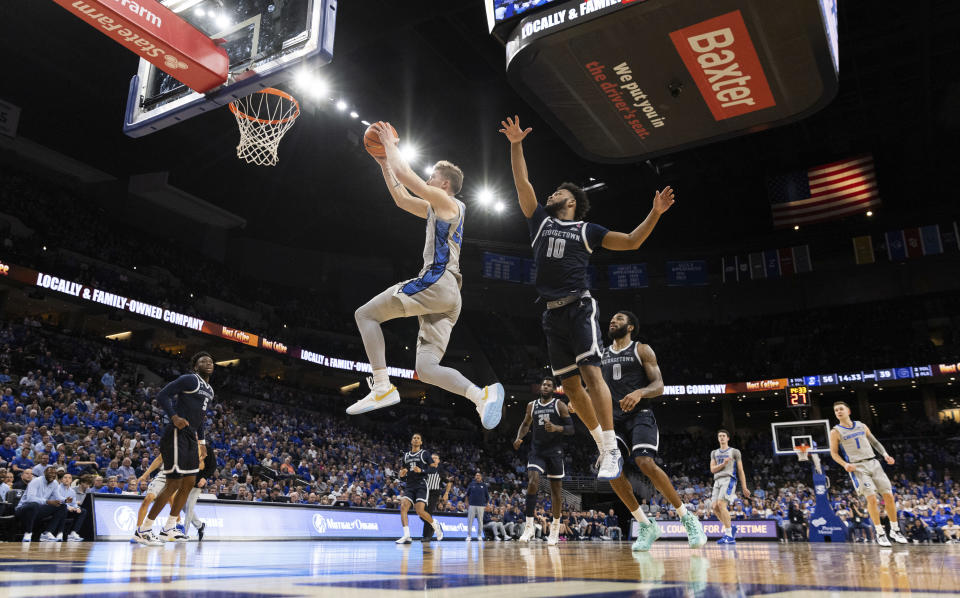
(200, 530)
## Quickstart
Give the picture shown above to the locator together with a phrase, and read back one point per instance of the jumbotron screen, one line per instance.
(501, 11)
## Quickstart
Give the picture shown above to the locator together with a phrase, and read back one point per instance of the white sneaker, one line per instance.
(496, 538)
(59, 537)
(404, 540)
(439, 532)
(468, 538)
(28, 537)
(882, 540)
(611, 465)
(552, 539)
(897, 537)
(528, 532)
(147, 538)
(490, 407)
(74, 537)
(375, 399)
(48, 537)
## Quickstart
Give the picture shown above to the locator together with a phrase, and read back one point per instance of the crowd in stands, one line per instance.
(82, 405)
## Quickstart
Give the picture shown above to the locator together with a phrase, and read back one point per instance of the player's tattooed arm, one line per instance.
(634, 239)
(404, 200)
(879, 447)
(524, 427)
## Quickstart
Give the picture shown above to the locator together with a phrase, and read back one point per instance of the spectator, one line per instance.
(126, 471)
(493, 523)
(26, 476)
(613, 526)
(76, 515)
(41, 501)
(6, 484)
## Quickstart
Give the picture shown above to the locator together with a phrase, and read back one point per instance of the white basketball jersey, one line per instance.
(854, 445)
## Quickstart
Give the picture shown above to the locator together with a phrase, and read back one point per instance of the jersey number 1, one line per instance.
(555, 247)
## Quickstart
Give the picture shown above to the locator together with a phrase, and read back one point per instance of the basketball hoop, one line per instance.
(802, 452)
(264, 118)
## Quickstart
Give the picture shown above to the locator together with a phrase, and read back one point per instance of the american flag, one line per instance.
(823, 192)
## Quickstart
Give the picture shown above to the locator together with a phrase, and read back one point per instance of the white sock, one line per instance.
(406, 531)
(530, 520)
(381, 381)
(475, 394)
(880, 531)
(681, 511)
(640, 516)
(725, 531)
(596, 433)
(171, 522)
(894, 526)
(609, 440)
(146, 526)
(555, 527)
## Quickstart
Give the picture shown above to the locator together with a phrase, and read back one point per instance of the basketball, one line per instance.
(371, 142)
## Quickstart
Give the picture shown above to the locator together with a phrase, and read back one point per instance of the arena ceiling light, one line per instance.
(120, 336)
(341, 105)
(485, 197)
(499, 207)
(409, 153)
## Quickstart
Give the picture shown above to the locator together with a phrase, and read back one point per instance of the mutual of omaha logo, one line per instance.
(320, 523)
(125, 518)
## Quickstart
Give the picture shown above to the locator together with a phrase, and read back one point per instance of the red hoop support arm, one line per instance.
(155, 33)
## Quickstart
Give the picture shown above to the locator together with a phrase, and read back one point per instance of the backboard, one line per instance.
(787, 435)
(264, 39)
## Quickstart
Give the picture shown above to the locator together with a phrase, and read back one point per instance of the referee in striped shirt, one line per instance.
(435, 471)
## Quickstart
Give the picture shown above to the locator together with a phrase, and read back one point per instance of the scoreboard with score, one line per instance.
(798, 396)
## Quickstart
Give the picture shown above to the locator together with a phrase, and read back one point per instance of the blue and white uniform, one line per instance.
(434, 296)
(561, 250)
(869, 478)
(725, 480)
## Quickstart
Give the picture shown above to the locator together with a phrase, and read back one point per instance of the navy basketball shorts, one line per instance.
(180, 451)
(416, 493)
(549, 463)
(637, 433)
(573, 336)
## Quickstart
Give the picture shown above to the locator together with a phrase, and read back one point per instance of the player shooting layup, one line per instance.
(434, 296)
(852, 446)
(562, 244)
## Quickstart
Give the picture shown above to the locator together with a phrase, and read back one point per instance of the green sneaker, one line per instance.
(695, 535)
(646, 535)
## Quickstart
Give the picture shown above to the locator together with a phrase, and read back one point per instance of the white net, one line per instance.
(264, 118)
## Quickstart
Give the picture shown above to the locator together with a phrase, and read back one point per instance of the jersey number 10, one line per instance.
(555, 247)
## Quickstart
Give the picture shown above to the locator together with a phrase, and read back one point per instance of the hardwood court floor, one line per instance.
(456, 568)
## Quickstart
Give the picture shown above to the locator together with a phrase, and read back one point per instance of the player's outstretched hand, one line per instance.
(850, 467)
(385, 132)
(517, 443)
(663, 200)
(746, 493)
(889, 460)
(511, 128)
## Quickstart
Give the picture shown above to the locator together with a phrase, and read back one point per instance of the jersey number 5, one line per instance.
(555, 247)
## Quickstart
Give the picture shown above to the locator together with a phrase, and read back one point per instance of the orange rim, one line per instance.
(270, 90)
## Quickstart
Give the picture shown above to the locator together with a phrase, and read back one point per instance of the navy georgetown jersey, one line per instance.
(194, 396)
(623, 371)
(441, 250)
(561, 250)
(543, 441)
(419, 459)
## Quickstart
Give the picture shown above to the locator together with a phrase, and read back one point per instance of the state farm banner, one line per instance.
(155, 33)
